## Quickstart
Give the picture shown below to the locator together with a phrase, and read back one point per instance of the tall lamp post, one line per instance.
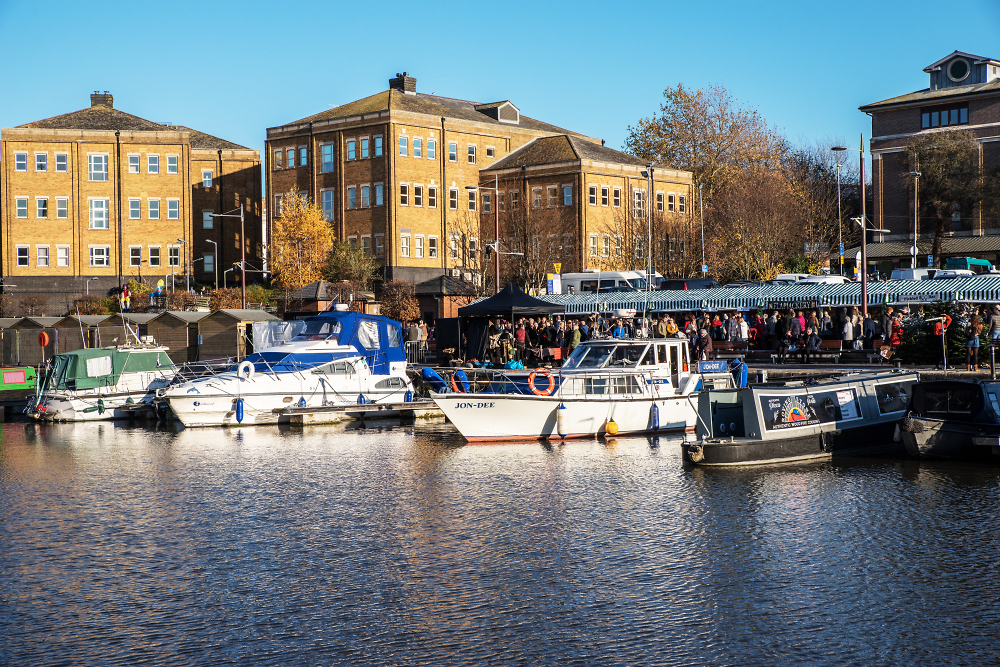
(840, 221)
(864, 230)
(916, 201)
(243, 249)
(649, 224)
(701, 205)
(187, 268)
(215, 260)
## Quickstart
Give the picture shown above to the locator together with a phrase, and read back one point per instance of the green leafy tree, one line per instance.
(348, 262)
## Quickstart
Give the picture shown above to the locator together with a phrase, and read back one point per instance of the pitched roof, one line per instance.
(992, 87)
(185, 315)
(100, 117)
(971, 56)
(246, 314)
(445, 286)
(563, 148)
(396, 100)
(954, 245)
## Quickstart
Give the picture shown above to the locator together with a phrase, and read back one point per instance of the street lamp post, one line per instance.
(840, 222)
(188, 267)
(916, 201)
(649, 224)
(232, 268)
(701, 205)
(864, 227)
(215, 260)
(89, 280)
(243, 250)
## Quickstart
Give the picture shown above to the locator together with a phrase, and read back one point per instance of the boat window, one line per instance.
(393, 336)
(338, 368)
(893, 396)
(368, 334)
(648, 359)
(626, 355)
(675, 366)
(661, 354)
(390, 383)
(319, 330)
(638, 283)
(949, 401)
(589, 356)
(996, 406)
(98, 367)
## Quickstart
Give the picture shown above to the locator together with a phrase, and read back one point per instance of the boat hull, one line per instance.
(81, 408)
(865, 439)
(498, 417)
(939, 439)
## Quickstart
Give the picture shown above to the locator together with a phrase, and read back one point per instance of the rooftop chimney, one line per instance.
(105, 100)
(405, 83)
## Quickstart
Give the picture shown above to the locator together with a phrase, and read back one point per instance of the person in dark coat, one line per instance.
(703, 346)
(812, 344)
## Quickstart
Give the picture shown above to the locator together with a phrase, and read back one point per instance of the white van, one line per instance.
(586, 282)
(825, 280)
(912, 274)
(789, 277)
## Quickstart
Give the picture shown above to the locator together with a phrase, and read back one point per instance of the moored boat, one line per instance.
(953, 419)
(792, 421)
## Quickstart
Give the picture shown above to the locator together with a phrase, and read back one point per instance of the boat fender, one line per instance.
(910, 425)
(100, 406)
(896, 437)
(129, 401)
(361, 399)
(459, 381)
(561, 420)
(408, 396)
(434, 379)
(544, 373)
(695, 454)
(302, 402)
(654, 417)
(612, 427)
(239, 410)
(245, 370)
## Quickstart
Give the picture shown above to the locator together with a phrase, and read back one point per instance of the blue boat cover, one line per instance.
(433, 379)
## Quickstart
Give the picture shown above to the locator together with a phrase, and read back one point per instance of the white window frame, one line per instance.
(418, 246)
(605, 245)
(64, 165)
(150, 209)
(432, 247)
(91, 209)
(328, 196)
(567, 187)
(134, 163)
(135, 255)
(327, 151)
(432, 149)
(404, 194)
(208, 262)
(671, 198)
(378, 145)
(152, 163)
(279, 156)
(366, 195)
(592, 195)
(593, 245)
(173, 164)
(471, 153)
(491, 152)
(97, 159)
(404, 146)
(134, 208)
(380, 245)
(352, 149)
(62, 208)
(452, 199)
(536, 197)
(452, 151)
(207, 178)
(418, 147)
(39, 202)
(207, 221)
(20, 206)
(404, 245)
(379, 199)
(106, 255)
(173, 255)
(681, 203)
(303, 156)
(352, 197)
(432, 196)
(472, 201)
(366, 244)
(605, 196)
(20, 161)
(453, 247)
(45, 160)
(173, 208)
(62, 256)
(418, 196)
(616, 200)
(22, 252)
(158, 255)
(487, 198)
(364, 148)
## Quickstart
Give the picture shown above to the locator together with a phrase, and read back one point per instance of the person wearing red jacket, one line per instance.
(940, 329)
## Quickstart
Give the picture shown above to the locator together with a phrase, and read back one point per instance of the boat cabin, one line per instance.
(668, 357)
(967, 401)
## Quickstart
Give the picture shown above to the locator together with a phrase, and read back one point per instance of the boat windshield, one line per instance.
(284, 362)
(319, 330)
(602, 355)
(638, 283)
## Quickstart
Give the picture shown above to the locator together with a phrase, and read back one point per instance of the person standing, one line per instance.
(703, 346)
(972, 344)
(940, 331)
(886, 323)
(847, 334)
(994, 323)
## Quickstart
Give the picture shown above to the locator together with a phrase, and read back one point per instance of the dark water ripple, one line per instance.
(123, 546)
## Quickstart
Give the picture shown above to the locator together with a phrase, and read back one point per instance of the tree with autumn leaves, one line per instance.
(300, 242)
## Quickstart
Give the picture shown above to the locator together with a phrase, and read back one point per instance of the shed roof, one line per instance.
(8, 322)
(40, 322)
(245, 314)
(86, 320)
(184, 315)
(135, 318)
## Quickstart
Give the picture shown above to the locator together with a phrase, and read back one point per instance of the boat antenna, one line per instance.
(78, 319)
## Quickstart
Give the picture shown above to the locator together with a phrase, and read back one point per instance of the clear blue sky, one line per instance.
(233, 69)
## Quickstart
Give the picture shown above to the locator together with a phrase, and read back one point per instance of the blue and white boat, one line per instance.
(339, 358)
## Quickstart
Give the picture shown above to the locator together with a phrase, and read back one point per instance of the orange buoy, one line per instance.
(43, 338)
(544, 373)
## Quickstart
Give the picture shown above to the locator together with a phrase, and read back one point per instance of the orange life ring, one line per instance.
(455, 386)
(43, 338)
(531, 382)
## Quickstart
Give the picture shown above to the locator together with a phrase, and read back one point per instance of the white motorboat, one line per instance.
(339, 358)
(101, 383)
(606, 387)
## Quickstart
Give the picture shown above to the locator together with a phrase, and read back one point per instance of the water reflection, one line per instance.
(398, 544)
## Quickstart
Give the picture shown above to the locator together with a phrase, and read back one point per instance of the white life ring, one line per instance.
(245, 370)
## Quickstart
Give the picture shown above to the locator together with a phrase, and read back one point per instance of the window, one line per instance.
(659, 202)
(326, 200)
(536, 197)
(452, 152)
(153, 164)
(567, 195)
(552, 193)
(593, 195)
(473, 247)
(380, 245)
(62, 207)
(41, 207)
(670, 203)
(100, 256)
(418, 195)
(291, 157)
(134, 256)
(303, 155)
(366, 196)
(515, 198)
(378, 145)
(20, 162)
(500, 202)
(640, 251)
(431, 149)
(404, 245)
(432, 197)
(366, 246)
(134, 209)
(133, 164)
(208, 259)
(487, 203)
(638, 201)
(207, 221)
(352, 151)
(171, 164)
(98, 167)
(453, 199)
(593, 245)
(173, 256)
(552, 245)
(680, 203)
(277, 158)
(98, 213)
(154, 255)
(352, 197)
(942, 116)
(173, 209)
(62, 255)
(604, 195)
(404, 149)
(154, 209)
(352, 241)
(605, 245)
(432, 246)
(619, 242)
(364, 147)
(490, 152)
(418, 246)
(453, 244)
(418, 148)
(22, 255)
(278, 205)
(41, 161)
(618, 197)
(22, 207)
(472, 154)
(379, 199)
(326, 158)
(404, 194)
(472, 200)
(567, 245)
(206, 178)
(62, 163)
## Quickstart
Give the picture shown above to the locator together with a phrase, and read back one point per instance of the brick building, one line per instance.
(97, 196)
(963, 93)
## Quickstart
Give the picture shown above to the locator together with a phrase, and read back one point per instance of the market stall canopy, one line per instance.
(510, 302)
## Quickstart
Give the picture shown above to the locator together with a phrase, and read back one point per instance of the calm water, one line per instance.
(321, 546)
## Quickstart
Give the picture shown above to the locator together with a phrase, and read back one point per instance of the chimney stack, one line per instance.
(105, 100)
(405, 83)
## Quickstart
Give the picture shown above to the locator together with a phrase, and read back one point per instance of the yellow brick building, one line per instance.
(94, 197)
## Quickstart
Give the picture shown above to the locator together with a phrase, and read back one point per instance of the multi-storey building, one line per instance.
(964, 94)
(97, 196)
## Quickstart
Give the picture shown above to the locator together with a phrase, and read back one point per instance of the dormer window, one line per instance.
(505, 112)
(958, 70)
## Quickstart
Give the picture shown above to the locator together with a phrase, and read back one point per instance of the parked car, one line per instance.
(825, 280)
(688, 283)
(788, 278)
(945, 274)
(912, 274)
(745, 283)
(969, 264)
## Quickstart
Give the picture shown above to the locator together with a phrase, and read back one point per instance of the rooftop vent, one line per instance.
(505, 112)
(404, 82)
(102, 100)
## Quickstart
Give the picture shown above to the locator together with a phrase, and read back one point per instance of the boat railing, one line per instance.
(596, 385)
(194, 370)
